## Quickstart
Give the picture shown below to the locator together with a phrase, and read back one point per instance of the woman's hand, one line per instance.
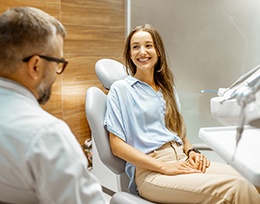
(198, 161)
(178, 167)
(128, 153)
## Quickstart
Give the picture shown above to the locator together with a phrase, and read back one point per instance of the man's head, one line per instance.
(31, 44)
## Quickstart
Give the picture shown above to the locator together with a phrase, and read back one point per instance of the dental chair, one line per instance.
(108, 71)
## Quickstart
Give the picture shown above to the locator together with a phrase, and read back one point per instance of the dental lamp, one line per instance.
(244, 91)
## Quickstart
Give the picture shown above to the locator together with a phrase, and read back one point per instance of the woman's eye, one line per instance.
(149, 45)
(135, 47)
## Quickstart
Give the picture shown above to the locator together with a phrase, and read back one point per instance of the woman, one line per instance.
(147, 130)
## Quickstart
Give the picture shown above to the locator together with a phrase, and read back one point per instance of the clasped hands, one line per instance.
(195, 163)
(198, 161)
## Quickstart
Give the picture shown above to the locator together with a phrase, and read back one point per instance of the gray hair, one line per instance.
(26, 31)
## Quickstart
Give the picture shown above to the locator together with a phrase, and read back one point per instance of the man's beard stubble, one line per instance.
(44, 91)
(44, 96)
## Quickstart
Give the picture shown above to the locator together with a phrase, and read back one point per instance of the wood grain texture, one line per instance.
(95, 30)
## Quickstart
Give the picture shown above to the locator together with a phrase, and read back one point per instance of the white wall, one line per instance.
(210, 43)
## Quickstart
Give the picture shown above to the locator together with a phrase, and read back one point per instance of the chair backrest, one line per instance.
(95, 107)
(108, 71)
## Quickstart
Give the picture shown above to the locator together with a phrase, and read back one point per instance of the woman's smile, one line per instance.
(144, 59)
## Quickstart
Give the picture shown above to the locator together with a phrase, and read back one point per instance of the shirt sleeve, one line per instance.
(59, 168)
(114, 114)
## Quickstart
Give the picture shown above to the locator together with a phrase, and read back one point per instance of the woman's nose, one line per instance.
(142, 50)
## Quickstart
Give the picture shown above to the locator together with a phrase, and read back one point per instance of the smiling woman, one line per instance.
(147, 130)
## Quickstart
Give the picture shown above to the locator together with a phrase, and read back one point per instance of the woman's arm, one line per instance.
(186, 145)
(128, 153)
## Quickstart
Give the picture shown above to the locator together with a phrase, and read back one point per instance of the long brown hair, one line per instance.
(163, 78)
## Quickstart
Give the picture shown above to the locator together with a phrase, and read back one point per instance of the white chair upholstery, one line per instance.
(95, 112)
(108, 71)
(128, 198)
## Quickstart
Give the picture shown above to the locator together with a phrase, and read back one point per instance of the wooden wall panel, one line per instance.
(95, 30)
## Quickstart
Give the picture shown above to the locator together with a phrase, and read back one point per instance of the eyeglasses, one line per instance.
(62, 63)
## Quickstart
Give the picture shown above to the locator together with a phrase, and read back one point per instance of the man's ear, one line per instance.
(33, 67)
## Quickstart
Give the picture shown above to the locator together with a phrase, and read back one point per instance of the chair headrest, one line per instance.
(108, 71)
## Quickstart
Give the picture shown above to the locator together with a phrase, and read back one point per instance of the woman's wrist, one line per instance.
(192, 150)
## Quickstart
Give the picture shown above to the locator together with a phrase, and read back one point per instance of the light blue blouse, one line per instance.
(135, 113)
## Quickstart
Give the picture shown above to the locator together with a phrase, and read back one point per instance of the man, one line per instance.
(40, 159)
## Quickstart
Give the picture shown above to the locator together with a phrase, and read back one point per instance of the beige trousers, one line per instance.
(220, 184)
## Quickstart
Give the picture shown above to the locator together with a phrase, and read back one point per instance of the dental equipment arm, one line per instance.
(244, 91)
(243, 78)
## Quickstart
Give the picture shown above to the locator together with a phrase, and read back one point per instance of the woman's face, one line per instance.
(143, 53)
